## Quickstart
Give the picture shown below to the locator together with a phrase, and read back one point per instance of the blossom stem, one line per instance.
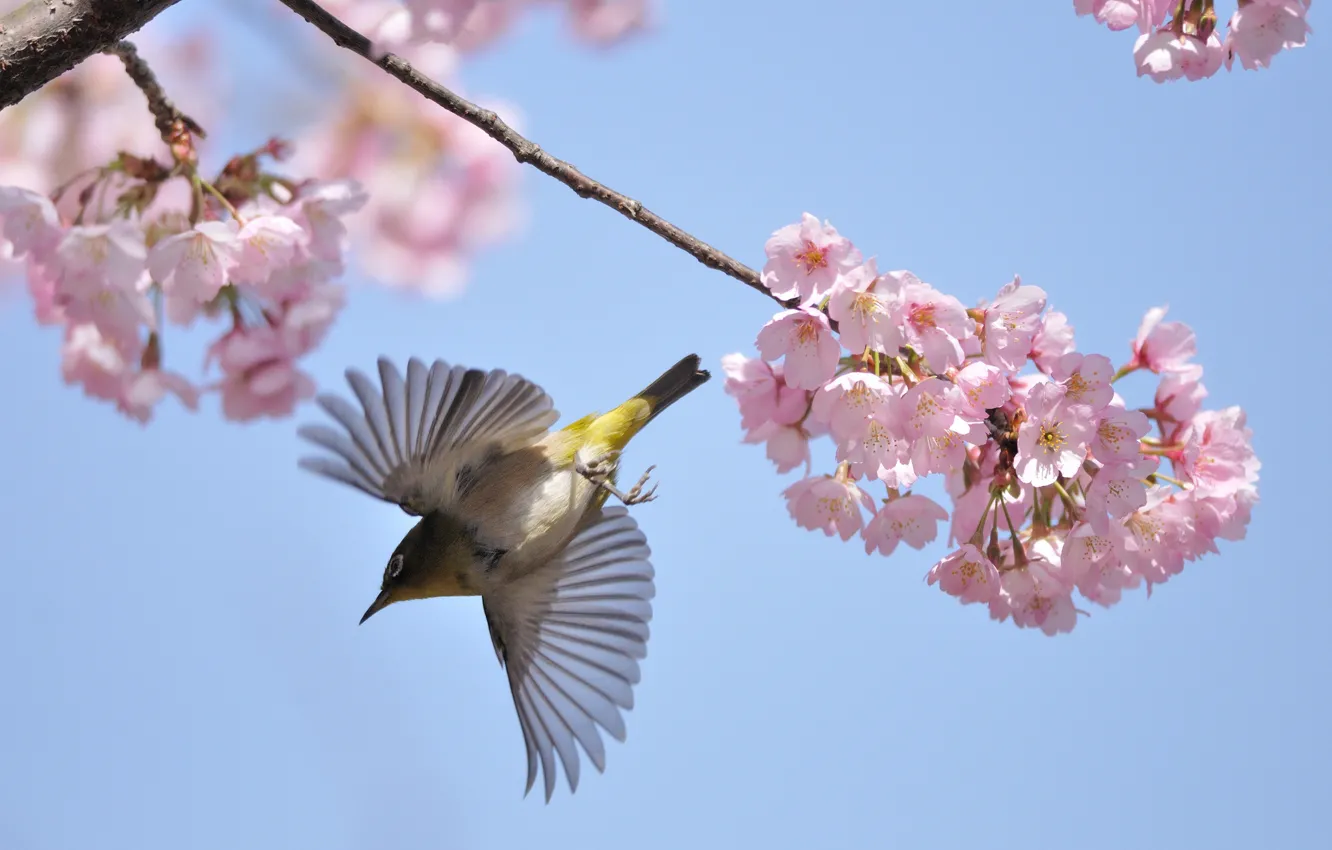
(978, 536)
(1151, 479)
(1069, 505)
(213, 190)
(1019, 554)
(1126, 369)
(907, 375)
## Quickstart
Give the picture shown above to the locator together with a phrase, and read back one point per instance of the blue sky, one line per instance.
(180, 651)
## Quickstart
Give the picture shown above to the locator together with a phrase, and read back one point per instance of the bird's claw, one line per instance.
(598, 472)
(636, 495)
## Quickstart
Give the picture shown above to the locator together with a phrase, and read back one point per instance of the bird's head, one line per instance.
(437, 557)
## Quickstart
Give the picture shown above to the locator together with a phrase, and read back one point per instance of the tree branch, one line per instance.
(43, 39)
(169, 120)
(523, 150)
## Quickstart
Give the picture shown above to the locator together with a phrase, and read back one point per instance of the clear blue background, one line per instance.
(181, 662)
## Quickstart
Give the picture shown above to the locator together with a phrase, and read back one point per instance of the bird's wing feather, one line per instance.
(570, 634)
(409, 438)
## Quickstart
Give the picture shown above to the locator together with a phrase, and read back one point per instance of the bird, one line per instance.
(517, 514)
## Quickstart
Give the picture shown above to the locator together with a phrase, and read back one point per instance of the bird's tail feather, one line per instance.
(674, 384)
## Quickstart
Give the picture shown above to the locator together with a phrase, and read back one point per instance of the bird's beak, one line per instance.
(381, 602)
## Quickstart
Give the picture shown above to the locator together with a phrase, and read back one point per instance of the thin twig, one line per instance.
(165, 114)
(523, 150)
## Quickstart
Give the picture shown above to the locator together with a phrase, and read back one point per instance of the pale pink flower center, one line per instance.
(1077, 386)
(940, 446)
(969, 571)
(1096, 546)
(806, 332)
(1147, 529)
(1052, 438)
(201, 250)
(812, 258)
(901, 526)
(922, 316)
(926, 406)
(835, 506)
(1112, 434)
(864, 306)
(877, 437)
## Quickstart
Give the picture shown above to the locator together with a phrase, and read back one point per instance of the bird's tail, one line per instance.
(613, 430)
(674, 384)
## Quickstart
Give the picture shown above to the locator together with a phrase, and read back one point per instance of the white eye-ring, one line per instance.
(394, 566)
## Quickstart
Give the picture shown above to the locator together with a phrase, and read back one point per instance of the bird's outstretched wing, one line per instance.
(570, 635)
(411, 441)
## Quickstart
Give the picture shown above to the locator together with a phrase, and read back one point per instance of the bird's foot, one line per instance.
(599, 472)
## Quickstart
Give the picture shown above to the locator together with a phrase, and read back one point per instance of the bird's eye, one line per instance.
(394, 567)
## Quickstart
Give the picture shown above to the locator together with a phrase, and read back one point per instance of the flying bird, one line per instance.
(514, 513)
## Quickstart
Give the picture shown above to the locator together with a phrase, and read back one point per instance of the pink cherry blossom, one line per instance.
(1053, 340)
(943, 454)
(805, 259)
(1201, 58)
(1162, 346)
(983, 387)
(1049, 607)
(1085, 379)
(826, 503)
(787, 445)
(118, 313)
(762, 393)
(142, 391)
(1160, 55)
(933, 323)
(1012, 321)
(1118, 433)
(867, 317)
(930, 409)
(847, 401)
(1116, 491)
(28, 221)
(1180, 394)
(911, 519)
(1122, 14)
(101, 255)
(259, 375)
(99, 365)
(267, 243)
(1147, 539)
(323, 204)
(806, 340)
(1218, 455)
(193, 266)
(43, 282)
(874, 449)
(1052, 441)
(967, 574)
(106, 369)
(1260, 30)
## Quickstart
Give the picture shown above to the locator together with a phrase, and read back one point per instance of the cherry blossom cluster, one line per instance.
(125, 249)
(1056, 483)
(474, 24)
(443, 189)
(1189, 46)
